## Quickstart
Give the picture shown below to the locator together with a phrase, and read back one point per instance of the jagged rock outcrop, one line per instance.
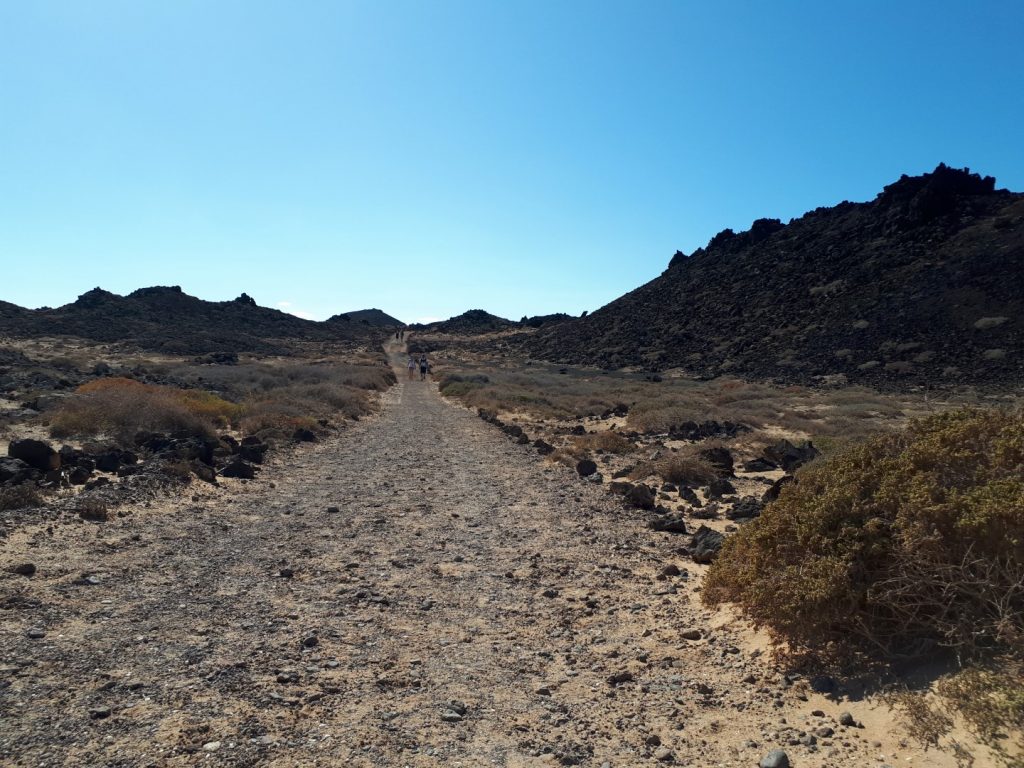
(924, 284)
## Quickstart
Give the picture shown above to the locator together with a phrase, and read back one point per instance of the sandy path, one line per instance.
(458, 567)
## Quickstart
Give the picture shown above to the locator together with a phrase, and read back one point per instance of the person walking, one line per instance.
(412, 367)
(424, 366)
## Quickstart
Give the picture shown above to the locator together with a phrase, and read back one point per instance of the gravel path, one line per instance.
(466, 604)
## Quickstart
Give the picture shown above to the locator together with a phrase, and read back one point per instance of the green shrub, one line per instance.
(910, 542)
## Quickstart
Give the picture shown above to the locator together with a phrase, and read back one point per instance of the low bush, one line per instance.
(122, 407)
(20, 497)
(910, 541)
(678, 469)
(606, 440)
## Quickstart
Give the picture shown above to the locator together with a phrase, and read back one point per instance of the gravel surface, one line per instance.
(418, 591)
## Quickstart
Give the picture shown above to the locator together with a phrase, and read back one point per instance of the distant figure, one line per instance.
(396, 334)
(412, 367)
(424, 365)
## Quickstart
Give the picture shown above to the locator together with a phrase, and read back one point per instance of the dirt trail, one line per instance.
(458, 567)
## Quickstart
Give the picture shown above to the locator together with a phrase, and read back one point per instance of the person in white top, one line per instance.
(412, 367)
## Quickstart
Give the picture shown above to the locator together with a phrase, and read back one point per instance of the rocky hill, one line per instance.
(373, 317)
(472, 322)
(924, 284)
(166, 319)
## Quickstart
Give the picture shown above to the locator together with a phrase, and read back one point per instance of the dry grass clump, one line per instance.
(605, 440)
(123, 407)
(258, 397)
(658, 407)
(20, 497)
(676, 468)
(286, 409)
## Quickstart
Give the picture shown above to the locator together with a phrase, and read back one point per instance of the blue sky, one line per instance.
(429, 157)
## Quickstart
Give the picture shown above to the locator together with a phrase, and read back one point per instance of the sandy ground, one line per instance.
(418, 591)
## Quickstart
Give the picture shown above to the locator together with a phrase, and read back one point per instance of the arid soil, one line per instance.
(418, 591)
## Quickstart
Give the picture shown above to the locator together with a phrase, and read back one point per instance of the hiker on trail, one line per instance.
(424, 365)
(412, 366)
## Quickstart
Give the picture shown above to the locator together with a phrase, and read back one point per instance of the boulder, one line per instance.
(586, 467)
(303, 435)
(204, 472)
(640, 497)
(758, 465)
(240, 468)
(543, 448)
(718, 488)
(108, 461)
(705, 545)
(719, 458)
(745, 509)
(690, 496)
(773, 493)
(775, 759)
(668, 524)
(16, 471)
(79, 476)
(789, 456)
(35, 453)
(252, 450)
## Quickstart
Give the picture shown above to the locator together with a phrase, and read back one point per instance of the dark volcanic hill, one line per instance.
(165, 319)
(375, 317)
(473, 321)
(924, 284)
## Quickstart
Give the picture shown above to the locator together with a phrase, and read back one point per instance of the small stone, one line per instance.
(286, 573)
(211, 746)
(543, 691)
(777, 758)
(691, 634)
(36, 634)
(654, 740)
(663, 755)
(824, 732)
(458, 707)
(847, 719)
(24, 569)
(620, 677)
(818, 713)
(333, 510)
(99, 713)
(310, 642)
(670, 570)
(451, 716)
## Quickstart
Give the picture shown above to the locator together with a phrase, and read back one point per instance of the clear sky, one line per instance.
(429, 157)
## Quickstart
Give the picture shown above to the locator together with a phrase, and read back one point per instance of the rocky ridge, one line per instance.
(922, 285)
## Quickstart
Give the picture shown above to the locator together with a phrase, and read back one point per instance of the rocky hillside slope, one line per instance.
(165, 319)
(922, 285)
(470, 322)
(375, 317)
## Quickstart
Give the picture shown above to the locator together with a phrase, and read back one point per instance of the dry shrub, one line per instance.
(920, 717)
(124, 407)
(676, 468)
(991, 700)
(283, 410)
(909, 542)
(20, 497)
(606, 440)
